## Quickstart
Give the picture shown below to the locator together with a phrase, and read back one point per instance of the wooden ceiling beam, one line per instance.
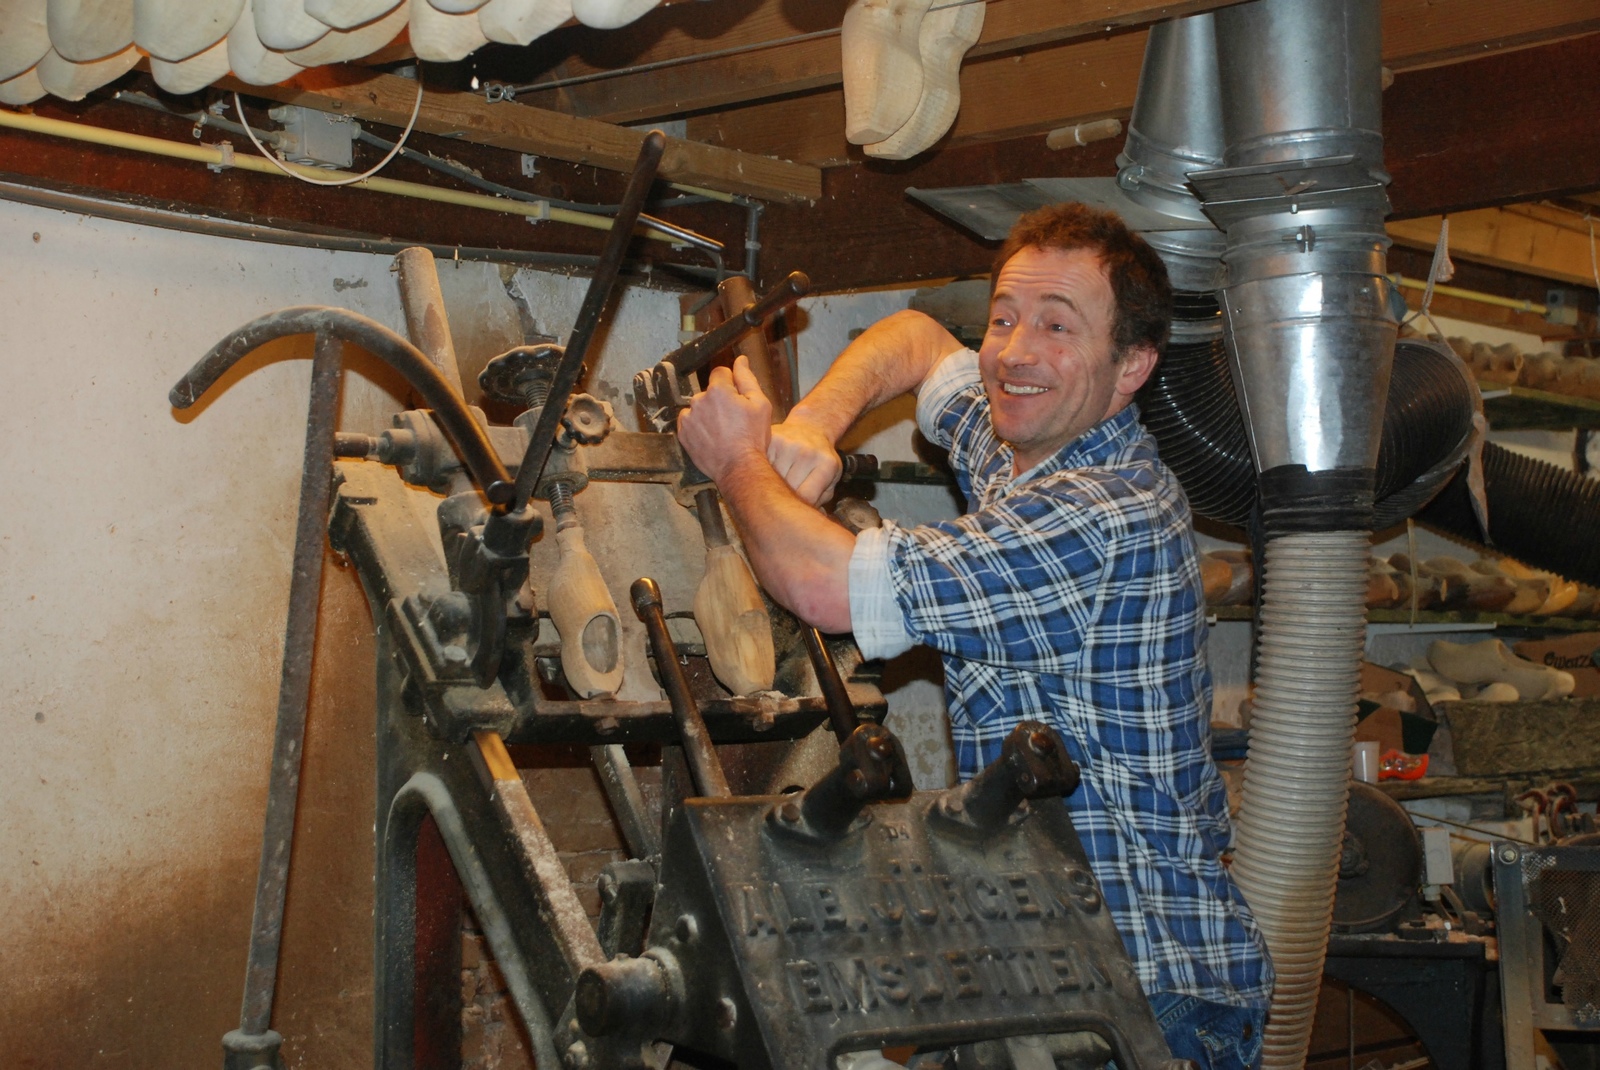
(1511, 127)
(1009, 26)
(1097, 78)
(281, 203)
(1536, 239)
(1456, 137)
(388, 100)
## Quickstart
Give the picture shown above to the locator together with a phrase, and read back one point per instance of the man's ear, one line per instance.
(1135, 367)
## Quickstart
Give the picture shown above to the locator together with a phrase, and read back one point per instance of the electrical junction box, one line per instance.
(315, 137)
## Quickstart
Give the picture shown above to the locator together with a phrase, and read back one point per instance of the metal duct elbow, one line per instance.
(1175, 129)
(1305, 299)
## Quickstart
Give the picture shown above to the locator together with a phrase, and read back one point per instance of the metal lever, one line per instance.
(703, 762)
(690, 358)
(841, 711)
(469, 439)
(255, 1042)
(1033, 764)
(583, 328)
(659, 389)
(872, 765)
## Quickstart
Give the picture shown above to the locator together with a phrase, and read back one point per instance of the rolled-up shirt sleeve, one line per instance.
(938, 410)
(875, 613)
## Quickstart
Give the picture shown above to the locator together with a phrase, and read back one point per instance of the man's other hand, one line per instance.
(805, 457)
(731, 419)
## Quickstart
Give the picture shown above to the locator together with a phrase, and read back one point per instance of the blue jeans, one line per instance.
(1214, 1036)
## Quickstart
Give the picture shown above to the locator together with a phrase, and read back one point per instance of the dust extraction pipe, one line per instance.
(1300, 201)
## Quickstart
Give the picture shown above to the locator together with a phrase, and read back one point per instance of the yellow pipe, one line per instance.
(1472, 295)
(701, 191)
(212, 156)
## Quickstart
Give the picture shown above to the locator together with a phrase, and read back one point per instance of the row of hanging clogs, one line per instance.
(68, 48)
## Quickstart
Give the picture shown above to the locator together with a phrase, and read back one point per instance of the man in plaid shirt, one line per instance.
(1069, 592)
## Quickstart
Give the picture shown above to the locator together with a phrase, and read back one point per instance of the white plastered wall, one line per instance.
(144, 564)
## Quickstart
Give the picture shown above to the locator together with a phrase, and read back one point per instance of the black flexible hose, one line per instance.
(1191, 406)
(1538, 513)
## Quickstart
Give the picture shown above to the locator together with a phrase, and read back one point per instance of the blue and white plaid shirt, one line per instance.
(1071, 594)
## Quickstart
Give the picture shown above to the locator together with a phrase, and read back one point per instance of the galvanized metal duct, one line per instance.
(1306, 312)
(1300, 201)
(1176, 129)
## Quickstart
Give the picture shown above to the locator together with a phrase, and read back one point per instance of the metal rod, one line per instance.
(703, 763)
(594, 302)
(688, 359)
(627, 801)
(841, 711)
(428, 790)
(708, 508)
(294, 688)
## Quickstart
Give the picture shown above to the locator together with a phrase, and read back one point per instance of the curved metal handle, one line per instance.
(469, 439)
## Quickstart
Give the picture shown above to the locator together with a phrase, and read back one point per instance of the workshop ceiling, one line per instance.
(1492, 104)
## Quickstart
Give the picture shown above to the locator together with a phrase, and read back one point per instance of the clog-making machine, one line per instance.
(762, 920)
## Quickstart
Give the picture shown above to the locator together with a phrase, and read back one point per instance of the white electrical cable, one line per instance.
(411, 125)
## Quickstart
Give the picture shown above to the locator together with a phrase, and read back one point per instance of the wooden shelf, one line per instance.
(1520, 408)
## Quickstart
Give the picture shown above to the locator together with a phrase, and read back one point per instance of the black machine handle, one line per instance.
(583, 328)
(697, 746)
(690, 358)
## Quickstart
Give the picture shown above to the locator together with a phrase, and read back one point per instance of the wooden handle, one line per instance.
(734, 294)
(426, 321)
(734, 621)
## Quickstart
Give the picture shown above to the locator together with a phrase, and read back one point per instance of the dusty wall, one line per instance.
(144, 561)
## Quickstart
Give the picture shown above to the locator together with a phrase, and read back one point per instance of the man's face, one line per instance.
(1047, 360)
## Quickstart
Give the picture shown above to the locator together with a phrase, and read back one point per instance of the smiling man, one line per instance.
(1068, 593)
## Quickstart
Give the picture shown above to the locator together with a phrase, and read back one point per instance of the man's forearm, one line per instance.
(892, 357)
(800, 556)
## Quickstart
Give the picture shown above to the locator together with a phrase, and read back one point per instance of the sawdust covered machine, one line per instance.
(767, 917)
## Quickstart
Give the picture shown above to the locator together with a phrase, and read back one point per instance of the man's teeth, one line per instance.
(1014, 388)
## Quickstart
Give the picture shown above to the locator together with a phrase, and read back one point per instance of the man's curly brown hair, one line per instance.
(1139, 284)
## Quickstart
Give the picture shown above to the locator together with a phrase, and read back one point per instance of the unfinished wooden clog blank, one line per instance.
(83, 31)
(284, 26)
(250, 60)
(943, 40)
(74, 81)
(733, 619)
(348, 14)
(440, 37)
(24, 36)
(174, 31)
(585, 616)
(520, 22)
(25, 88)
(193, 74)
(337, 46)
(610, 14)
(882, 66)
(1491, 662)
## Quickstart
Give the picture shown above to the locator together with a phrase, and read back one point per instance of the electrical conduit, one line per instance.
(224, 157)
